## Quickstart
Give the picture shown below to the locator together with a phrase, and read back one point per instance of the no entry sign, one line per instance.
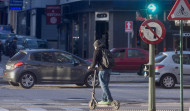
(152, 31)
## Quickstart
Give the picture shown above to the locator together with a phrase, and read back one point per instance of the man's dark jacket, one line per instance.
(97, 57)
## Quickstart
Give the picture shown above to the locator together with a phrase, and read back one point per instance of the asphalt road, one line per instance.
(132, 97)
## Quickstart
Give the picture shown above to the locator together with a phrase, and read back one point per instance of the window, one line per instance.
(119, 53)
(62, 58)
(47, 57)
(18, 56)
(135, 53)
(186, 58)
(36, 56)
(160, 58)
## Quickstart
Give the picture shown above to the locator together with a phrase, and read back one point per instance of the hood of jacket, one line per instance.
(99, 44)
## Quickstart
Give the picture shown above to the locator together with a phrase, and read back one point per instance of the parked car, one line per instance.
(20, 42)
(5, 36)
(29, 67)
(167, 68)
(129, 58)
(33, 43)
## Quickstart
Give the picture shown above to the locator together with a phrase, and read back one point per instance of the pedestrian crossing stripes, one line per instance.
(72, 109)
(42, 109)
(35, 109)
(2, 109)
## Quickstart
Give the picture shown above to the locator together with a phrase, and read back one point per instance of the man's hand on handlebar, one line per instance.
(89, 67)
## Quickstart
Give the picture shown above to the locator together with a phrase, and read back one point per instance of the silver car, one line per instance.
(29, 67)
(167, 68)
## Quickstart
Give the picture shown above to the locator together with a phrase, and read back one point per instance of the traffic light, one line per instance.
(152, 7)
(146, 70)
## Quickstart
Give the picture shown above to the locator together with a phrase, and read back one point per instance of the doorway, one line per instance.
(102, 32)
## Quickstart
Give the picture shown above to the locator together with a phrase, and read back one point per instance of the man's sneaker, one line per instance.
(104, 102)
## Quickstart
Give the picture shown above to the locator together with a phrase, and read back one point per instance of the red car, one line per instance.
(129, 58)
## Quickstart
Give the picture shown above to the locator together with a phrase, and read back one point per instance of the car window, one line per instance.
(135, 53)
(119, 53)
(186, 58)
(18, 56)
(62, 58)
(19, 41)
(35, 56)
(159, 58)
(4, 36)
(42, 44)
(31, 44)
(47, 57)
(36, 44)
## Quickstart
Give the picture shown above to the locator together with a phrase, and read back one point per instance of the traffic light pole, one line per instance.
(152, 103)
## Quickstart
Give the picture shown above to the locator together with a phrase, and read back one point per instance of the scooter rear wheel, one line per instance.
(92, 104)
(115, 104)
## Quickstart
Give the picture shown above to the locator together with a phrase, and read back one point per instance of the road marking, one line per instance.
(34, 109)
(76, 99)
(72, 109)
(2, 109)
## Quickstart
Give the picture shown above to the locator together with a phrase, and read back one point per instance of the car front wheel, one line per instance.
(90, 79)
(27, 80)
(167, 81)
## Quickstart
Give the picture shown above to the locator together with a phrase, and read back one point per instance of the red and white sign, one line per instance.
(128, 26)
(53, 14)
(152, 31)
(180, 11)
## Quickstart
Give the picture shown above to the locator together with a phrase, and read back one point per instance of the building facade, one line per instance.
(84, 21)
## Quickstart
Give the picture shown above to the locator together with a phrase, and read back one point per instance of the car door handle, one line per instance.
(176, 67)
(61, 66)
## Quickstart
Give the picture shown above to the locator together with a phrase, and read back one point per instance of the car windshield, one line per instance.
(19, 41)
(37, 44)
(32, 44)
(159, 58)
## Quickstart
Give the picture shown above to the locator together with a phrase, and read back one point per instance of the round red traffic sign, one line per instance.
(152, 31)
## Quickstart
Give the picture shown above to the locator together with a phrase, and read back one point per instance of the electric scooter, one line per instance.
(93, 102)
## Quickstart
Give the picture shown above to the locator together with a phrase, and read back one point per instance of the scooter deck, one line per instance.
(104, 105)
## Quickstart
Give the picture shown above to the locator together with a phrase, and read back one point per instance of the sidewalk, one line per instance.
(117, 77)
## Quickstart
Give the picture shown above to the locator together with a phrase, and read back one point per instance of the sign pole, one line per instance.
(181, 65)
(128, 40)
(152, 106)
(180, 11)
(149, 32)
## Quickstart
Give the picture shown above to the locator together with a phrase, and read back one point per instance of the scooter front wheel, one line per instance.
(115, 104)
(92, 104)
